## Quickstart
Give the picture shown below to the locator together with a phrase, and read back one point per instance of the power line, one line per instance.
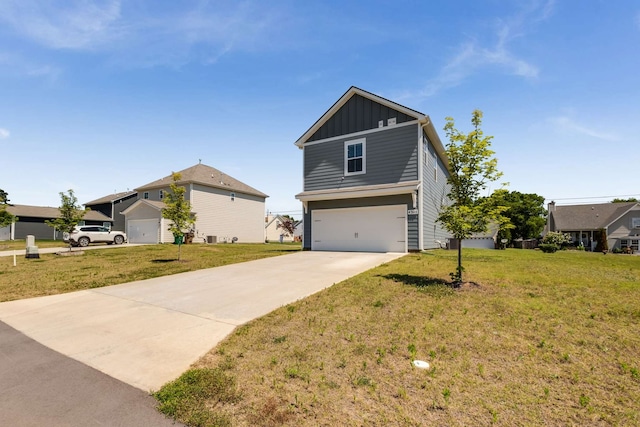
(595, 197)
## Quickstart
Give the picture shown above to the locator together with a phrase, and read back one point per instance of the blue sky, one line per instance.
(105, 96)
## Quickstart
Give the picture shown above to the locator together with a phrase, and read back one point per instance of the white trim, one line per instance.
(362, 141)
(357, 134)
(345, 98)
(360, 191)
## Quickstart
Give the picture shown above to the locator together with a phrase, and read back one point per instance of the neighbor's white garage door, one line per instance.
(367, 229)
(143, 231)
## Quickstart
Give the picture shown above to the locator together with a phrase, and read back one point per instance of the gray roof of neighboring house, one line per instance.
(205, 175)
(587, 217)
(112, 198)
(50, 213)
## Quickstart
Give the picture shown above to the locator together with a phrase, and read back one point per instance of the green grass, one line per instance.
(10, 245)
(531, 339)
(53, 274)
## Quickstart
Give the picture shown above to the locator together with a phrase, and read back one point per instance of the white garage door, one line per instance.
(143, 231)
(368, 229)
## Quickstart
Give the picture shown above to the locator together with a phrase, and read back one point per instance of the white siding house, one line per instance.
(226, 209)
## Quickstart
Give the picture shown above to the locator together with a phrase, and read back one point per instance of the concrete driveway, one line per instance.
(147, 333)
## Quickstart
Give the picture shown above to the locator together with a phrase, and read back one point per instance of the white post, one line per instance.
(14, 257)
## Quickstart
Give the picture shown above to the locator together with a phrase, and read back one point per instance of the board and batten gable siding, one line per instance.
(218, 215)
(400, 199)
(434, 192)
(391, 157)
(356, 115)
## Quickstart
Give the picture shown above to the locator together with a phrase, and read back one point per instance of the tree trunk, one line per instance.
(459, 270)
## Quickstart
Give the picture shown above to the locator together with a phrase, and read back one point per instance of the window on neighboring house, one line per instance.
(425, 151)
(435, 167)
(354, 157)
(145, 195)
(635, 222)
(161, 194)
(233, 196)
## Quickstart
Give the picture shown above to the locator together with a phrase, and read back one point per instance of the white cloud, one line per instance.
(566, 124)
(70, 24)
(146, 34)
(472, 56)
(4, 133)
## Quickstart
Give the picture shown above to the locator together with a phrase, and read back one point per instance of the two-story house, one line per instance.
(226, 209)
(375, 177)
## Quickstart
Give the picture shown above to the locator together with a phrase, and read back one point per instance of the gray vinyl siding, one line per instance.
(400, 199)
(357, 115)
(434, 192)
(391, 157)
(623, 226)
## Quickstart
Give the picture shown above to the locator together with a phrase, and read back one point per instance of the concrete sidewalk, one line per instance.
(147, 333)
(22, 252)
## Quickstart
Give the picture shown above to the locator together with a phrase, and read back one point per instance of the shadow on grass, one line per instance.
(429, 285)
(417, 281)
(163, 261)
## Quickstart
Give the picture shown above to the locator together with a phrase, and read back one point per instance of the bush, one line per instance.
(557, 238)
(548, 247)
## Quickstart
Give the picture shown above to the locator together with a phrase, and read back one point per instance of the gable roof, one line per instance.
(205, 175)
(112, 198)
(155, 204)
(48, 212)
(588, 217)
(421, 118)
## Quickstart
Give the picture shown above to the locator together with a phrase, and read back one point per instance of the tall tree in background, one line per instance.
(71, 213)
(472, 167)
(525, 211)
(178, 210)
(6, 217)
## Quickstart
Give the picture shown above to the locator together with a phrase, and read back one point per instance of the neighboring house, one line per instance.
(375, 176)
(31, 221)
(271, 231)
(112, 206)
(621, 222)
(225, 209)
(486, 240)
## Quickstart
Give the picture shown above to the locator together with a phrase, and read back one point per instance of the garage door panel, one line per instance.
(143, 231)
(372, 229)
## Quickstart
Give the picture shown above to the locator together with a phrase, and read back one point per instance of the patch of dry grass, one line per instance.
(53, 274)
(539, 339)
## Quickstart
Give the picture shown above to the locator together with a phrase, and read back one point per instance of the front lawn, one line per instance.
(55, 274)
(535, 339)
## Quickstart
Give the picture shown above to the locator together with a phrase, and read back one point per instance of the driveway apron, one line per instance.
(148, 332)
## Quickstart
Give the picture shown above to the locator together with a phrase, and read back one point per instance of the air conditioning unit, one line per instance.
(212, 239)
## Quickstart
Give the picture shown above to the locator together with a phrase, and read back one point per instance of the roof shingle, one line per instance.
(205, 175)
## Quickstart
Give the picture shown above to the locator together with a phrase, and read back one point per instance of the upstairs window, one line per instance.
(355, 157)
(161, 194)
(232, 196)
(145, 195)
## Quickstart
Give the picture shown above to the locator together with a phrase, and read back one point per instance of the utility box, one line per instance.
(212, 239)
(32, 249)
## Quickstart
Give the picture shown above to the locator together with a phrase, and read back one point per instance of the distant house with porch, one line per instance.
(620, 221)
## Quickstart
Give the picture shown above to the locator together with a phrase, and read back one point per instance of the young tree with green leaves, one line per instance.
(71, 213)
(472, 166)
(178, 210)
(6, 217)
